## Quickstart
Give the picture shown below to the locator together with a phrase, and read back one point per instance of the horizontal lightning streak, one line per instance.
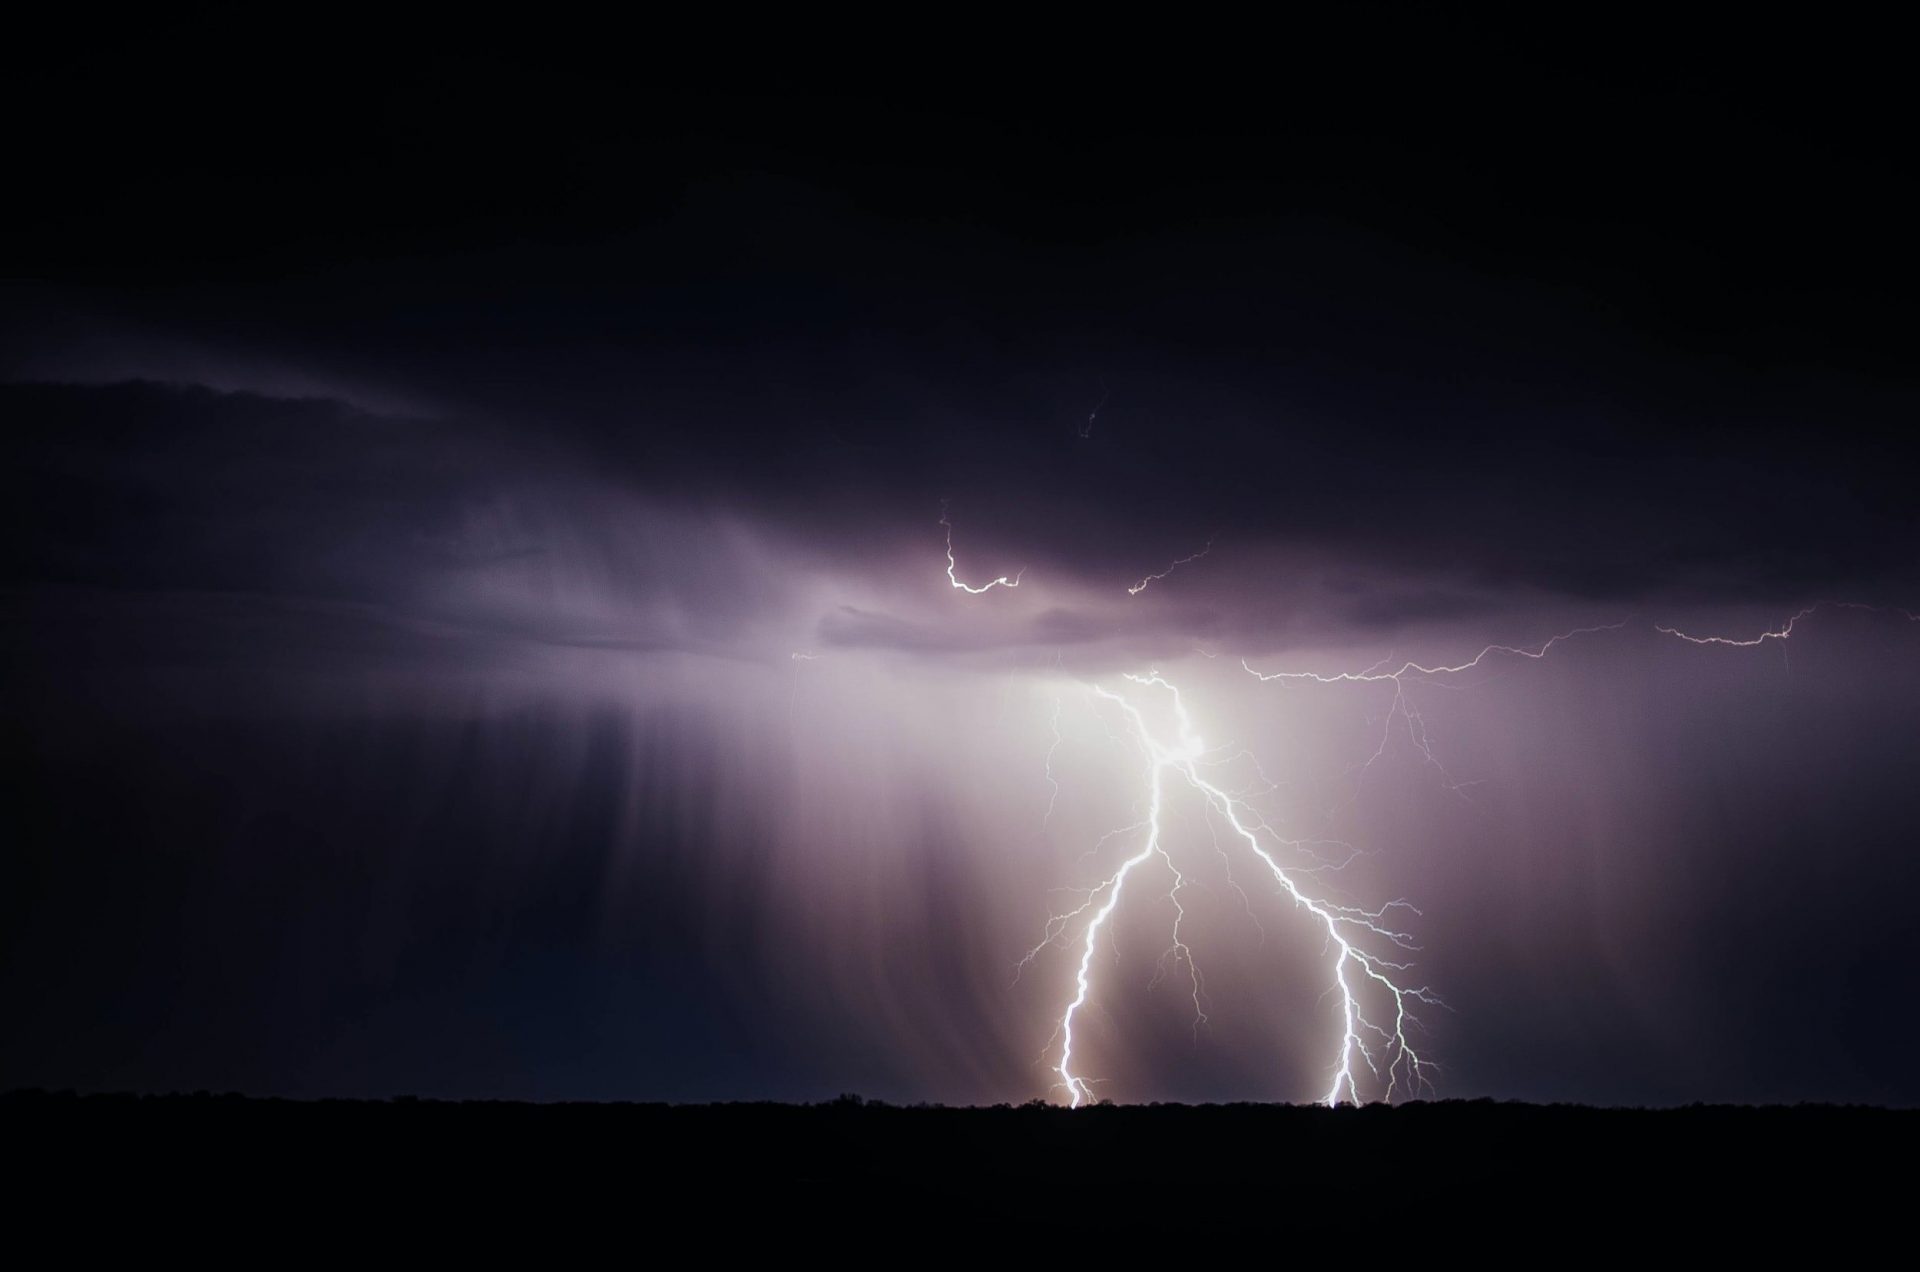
(1403, 708)
(1374, 674)
(1785, 630)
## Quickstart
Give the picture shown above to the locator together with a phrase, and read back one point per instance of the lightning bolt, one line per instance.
(1141, 586)
(1374, 1055)
(1785, 630)
(1403, 708)
(1363, 945)
(953, 578)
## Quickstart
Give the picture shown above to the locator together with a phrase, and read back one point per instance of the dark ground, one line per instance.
(1455, 1177)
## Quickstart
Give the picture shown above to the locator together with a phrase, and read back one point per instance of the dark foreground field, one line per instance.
(1817, 1177)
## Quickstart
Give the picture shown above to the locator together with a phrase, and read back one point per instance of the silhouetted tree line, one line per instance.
(1701, 1168)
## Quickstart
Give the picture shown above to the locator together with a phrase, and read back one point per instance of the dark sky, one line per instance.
(427, 450)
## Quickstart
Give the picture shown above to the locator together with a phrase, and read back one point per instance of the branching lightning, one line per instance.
(1403, 708)
(1375, 1055)
(1785, 630)
(954, 578)
(1137, 588)
(1369, 978)
(1363, 946)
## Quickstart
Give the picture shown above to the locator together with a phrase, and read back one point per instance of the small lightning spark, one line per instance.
(1137, 588)
(1086, 430)
(1360, 941)
(1002, 581)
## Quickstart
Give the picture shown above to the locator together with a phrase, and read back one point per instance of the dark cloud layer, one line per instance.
(1548, 328)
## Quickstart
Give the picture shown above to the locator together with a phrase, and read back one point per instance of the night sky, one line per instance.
(478, 620)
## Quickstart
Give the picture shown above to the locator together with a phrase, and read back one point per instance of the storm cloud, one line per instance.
(478, 618)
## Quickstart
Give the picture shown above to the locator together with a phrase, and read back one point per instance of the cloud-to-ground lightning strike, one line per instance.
(1375, 1056)
(1360, 942)
(953, 578)
(1135, 589)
